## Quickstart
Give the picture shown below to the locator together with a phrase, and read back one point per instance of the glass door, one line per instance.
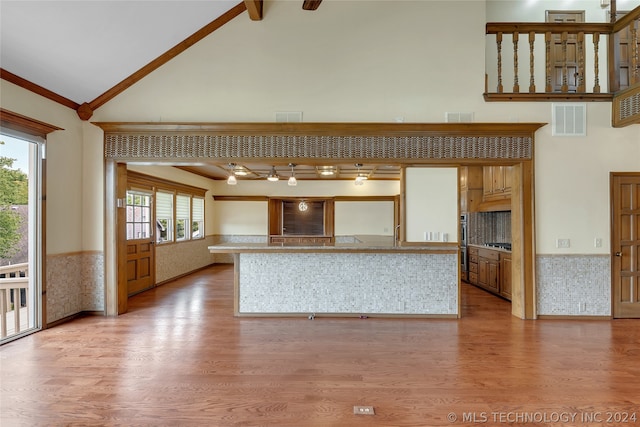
(20, 237)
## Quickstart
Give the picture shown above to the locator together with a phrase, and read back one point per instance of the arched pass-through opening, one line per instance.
(451, 144)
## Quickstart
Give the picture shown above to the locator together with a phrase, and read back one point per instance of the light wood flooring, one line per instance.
(180, 358)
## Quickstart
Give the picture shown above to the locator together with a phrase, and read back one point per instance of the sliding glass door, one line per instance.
(20, 236)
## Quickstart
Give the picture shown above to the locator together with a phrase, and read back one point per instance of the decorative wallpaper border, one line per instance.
(317, 147)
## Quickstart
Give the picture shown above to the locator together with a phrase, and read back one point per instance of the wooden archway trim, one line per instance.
(403, 143)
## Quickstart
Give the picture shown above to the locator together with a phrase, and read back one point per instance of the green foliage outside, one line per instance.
(14, 190)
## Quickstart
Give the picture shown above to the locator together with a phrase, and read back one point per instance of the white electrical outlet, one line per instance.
(582, 307)
(597, 242)
(563, 243)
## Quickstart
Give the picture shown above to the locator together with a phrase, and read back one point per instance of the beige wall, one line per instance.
(65, 183)
(431, 196)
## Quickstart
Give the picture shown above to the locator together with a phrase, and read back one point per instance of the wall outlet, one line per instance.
(563, 243)
(597, 242)
(427, 236)
(582, 307)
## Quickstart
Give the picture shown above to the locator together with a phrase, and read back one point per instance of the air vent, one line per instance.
(569, 119)
(458, 117)
(288, 116)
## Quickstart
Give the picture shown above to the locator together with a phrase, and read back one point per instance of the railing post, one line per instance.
(16, 309)
(499, 46)
(516, 83)
(3, 313)
(596, 44)
(547, 48)
(565, 83)
(532, 84)
(580, 84)
(634, 72)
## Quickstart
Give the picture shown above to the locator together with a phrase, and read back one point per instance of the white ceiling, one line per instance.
(80, 49)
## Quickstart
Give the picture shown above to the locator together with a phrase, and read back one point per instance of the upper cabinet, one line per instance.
(470, 188)
(485, 188)
(496, 183)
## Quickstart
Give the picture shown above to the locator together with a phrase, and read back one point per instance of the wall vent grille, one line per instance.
(569, 119)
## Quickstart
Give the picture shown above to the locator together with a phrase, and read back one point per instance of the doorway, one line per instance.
(566, 59)
(20, 236)
(140, 243)
(625, 244)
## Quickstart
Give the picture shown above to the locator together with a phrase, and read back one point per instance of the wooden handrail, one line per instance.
(567, 81)
(543, 28)
(626, 20)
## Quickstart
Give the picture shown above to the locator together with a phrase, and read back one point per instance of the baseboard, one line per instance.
(74, 317)
(182, 275)
(568, 317)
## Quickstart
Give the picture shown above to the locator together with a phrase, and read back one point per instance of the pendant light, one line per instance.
(292, 179)
(273, 175)
(231, 180)
(361, 177)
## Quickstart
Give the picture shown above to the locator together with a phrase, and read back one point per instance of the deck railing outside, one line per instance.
(586, 55)
(14, 299)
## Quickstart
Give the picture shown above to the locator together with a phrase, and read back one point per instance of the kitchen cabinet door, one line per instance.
(505, 276)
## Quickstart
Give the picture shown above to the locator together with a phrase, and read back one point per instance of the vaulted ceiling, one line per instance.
(83, 53)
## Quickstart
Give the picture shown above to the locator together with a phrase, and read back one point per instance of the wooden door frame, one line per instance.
(613, 258)
(426, 144)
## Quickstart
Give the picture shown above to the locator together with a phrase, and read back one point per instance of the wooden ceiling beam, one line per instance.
(311, 4)
(254, 7)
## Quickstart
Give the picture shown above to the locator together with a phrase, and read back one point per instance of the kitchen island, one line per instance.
(368, 276)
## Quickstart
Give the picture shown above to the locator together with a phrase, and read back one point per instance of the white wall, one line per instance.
(431, 196)
(372, 217)
(251, 218)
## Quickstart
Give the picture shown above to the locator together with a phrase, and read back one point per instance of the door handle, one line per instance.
(619, 254)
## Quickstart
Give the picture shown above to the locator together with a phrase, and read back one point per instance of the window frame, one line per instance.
(175, 189)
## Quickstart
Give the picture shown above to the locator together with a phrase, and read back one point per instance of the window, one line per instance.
(178, 209)
(183, 213)
(197, 218)
(138, 215)
(164, 217)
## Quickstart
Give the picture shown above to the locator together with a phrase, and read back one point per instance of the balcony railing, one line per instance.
(14, 299)
(562, 61)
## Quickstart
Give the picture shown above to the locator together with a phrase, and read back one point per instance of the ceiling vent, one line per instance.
(458, 117)
(569, 119)
(288, 116)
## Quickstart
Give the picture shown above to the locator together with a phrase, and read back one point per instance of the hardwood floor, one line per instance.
(180, 358)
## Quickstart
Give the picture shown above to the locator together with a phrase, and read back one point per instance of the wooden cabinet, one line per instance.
(473, 265)
(470, 188)
(490, 269)
(496, 182)
(505, 275)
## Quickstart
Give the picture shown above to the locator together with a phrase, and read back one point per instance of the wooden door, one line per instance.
(625, 244)
(625, 41)
(572, 58)
(140, 243)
